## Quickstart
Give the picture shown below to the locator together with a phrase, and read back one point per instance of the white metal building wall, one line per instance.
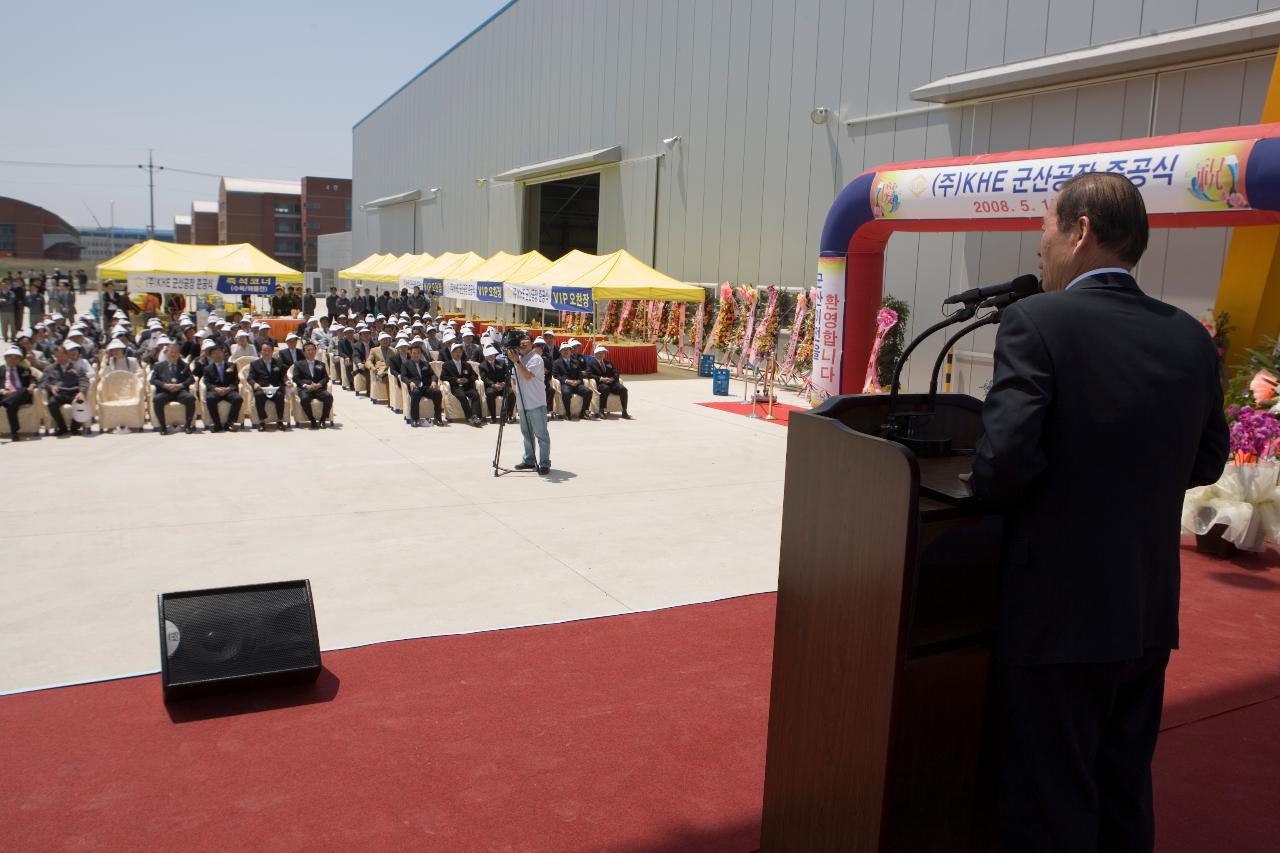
(744, 195)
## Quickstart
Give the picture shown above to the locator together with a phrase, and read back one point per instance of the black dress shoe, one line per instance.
(191, 430)
(525, 466)
(544, 471)
(315, 425)
(626, 417)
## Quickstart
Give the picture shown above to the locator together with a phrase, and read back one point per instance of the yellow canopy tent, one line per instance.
(157, 261)
(390, 271)
(446, 264)
(357, 270)
(571, 266)
(621, 275)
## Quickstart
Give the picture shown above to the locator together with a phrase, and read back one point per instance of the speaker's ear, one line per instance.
(236, 637)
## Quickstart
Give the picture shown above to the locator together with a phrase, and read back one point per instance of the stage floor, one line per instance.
(642, 733)
(403, 532)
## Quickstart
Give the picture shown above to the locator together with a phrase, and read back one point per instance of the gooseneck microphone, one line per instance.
(907, 428)
(1023, 285)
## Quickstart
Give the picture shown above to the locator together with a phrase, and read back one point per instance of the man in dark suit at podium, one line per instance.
(1105, 407)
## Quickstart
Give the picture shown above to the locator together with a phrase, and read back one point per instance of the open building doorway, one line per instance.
(563, 215)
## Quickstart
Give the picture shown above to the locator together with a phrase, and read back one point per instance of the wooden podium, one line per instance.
(879, 736)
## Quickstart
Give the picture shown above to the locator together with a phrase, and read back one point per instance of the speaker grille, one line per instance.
(237, 632)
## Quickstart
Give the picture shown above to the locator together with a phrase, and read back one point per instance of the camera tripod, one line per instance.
(498, 470)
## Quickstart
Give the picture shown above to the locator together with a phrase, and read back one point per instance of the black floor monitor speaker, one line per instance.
(213, 640)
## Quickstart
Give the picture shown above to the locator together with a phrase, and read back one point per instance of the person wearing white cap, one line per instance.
(322, 333)
(243, 347)
(531, 400)
(462, 384)
(378, 361)
(432, 344)
(290, 354)
(172, 381)
(77, 334)
(572, 383)
(471, 350)
(346, 345)
(118, 358)
(263, 336)
(64, 382)
(544, 353)
(361, 349)
(497, 382)
(16, 383)
(269, 379)
(420, 381)
(608, 382)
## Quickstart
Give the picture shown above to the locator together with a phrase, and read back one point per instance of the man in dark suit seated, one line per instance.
(222, 384)
(66, 381)
(347, 352)
(496, 377)
(420, 381)
(266, 373)
(15, 387)
(1104, 408)
(572, 383)
(172, 380)
(291, 353)
(462, 383)
(608, 382)
(312, 382)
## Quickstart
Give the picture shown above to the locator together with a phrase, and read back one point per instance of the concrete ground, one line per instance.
(403, 532)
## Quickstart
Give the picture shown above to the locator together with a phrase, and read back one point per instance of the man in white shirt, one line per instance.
(531, 401)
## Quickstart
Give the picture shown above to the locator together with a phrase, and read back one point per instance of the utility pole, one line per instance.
(151, 168)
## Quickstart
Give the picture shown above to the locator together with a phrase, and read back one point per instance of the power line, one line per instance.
(101, 166)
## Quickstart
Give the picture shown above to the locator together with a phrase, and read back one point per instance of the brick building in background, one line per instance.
(28, 231)
(326, 209)
(283, 218)
(181, 229)
(204, 223)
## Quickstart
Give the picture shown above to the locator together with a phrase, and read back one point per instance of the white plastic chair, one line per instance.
(121, 401)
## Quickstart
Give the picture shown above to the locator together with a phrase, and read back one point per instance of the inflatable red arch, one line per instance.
(1224, 177)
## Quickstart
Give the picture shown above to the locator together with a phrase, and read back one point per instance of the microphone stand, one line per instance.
(999, 303)
(899, 427)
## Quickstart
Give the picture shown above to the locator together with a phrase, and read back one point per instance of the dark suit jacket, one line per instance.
(458, 379)
(229, 378)
(566, 368)
(302, 377)
(496, 372)
(1105, 407)
(25, 380)
(289, 357)
(266, 373)
(601, 368)
(409, 371)
(309, 303)
(170, 372)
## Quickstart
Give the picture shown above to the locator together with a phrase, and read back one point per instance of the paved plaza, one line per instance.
(402, 532)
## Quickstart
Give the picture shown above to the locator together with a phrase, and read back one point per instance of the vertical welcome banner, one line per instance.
(828, 325)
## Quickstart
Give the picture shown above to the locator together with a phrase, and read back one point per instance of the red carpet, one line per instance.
(781, 412)
(640, 733)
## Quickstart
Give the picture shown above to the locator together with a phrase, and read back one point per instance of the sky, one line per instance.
(266, 89)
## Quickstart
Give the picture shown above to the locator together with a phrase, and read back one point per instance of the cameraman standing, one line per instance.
(532, 402)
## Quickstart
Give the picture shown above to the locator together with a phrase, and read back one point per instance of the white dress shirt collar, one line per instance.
(1100, 271)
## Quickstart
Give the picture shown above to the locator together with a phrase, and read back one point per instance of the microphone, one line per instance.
(1023, 285)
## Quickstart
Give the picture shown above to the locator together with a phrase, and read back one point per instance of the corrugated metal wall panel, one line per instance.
(745, 194)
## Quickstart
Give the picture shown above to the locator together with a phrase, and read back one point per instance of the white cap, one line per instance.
(163, 341)
(203, 333)
(75, 332)
(120, 333)
(602, 349)
(57, 316)
(120, 315)
(186, 321)
(70, 345)
(418, 339)
(490, 351)
(153, 323)
(384, 336)
(454, 347)
(546, 332)
(261, 326)
(242, 334)
(25, 333)
(208, 344)
(290, 337)
(368, 318)
(213, 318)
(116, 344)
(566, 345)
(575, 342)
(14, 351)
